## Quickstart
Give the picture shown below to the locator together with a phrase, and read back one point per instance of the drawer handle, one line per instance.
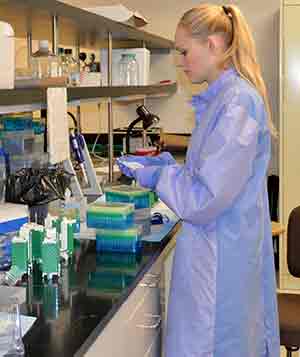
(153, 326)
(151, 281)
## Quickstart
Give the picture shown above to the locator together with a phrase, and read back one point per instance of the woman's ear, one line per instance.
(215, 44)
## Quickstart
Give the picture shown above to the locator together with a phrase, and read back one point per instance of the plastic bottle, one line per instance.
(73, 68)
(62, 68)
(7, 58)
(44, 63)
(128, 70)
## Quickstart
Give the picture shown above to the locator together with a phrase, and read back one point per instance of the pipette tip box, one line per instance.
(110, 215)
(119, 240)
(139, 196)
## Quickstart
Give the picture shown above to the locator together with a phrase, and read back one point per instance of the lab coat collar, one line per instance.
(214, 88)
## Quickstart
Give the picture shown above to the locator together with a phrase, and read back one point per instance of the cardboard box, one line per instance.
(120, 13)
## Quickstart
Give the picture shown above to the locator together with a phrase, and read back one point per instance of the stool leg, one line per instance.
(289, 350)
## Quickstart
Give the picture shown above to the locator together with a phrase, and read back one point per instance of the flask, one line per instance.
(128, 70)
(44, 63)
(7, 58)
(16, 348)
(73, 68)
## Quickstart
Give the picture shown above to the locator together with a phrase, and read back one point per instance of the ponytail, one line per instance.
(207, 19)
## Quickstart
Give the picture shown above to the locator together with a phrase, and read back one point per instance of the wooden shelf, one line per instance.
(23, 98)
(120, 92)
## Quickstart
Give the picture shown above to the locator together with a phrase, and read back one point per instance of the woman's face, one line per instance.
(198, 58)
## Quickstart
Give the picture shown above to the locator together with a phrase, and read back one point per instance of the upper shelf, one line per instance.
(27, 98)
(85, 21)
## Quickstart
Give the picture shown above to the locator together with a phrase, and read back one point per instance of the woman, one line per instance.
(223, 291)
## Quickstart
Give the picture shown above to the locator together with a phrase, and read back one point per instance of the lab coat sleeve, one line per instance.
(207, 185)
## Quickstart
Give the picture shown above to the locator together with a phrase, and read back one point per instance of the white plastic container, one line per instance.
(7, 58)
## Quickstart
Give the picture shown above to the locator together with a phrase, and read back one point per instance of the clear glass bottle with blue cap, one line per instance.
(128, 70)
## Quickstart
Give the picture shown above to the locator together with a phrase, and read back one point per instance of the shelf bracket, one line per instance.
(29, 38)
(55, 35)
(110, 112)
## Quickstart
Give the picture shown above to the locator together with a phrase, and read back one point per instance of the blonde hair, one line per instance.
(209, 19)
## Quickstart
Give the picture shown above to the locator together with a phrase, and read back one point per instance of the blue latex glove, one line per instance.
(147, 176)
(125, 169)
(165, 158)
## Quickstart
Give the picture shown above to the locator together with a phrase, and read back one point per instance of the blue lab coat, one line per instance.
(222, 299)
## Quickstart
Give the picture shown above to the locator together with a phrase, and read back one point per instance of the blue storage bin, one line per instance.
(38, 145)
(38, 127)
(16, 123)
(18, 142)
(12, 217)
(5, 249)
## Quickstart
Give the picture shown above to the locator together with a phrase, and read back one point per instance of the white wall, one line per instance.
(261, 15)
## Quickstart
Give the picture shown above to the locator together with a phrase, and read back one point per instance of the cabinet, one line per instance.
(155, 348)
(168, 264)
(135, 330)
(289, 125)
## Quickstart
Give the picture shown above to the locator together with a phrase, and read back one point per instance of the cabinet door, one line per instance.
(146, 319)
(144, 324)
(168, 265)
(290, 124)
(92, 117)
(155, 347)
(132, 330)
(116, 338)
(112, 340)
(289, 129)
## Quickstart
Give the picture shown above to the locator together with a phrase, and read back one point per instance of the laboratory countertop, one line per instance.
(72, 312)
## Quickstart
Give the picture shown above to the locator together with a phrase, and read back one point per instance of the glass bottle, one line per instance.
(128, 70)
(84, 67)
(72, 68)
(94, 66)
(44, 64)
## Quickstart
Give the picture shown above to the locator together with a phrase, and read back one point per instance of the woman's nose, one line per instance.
(178, 59)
